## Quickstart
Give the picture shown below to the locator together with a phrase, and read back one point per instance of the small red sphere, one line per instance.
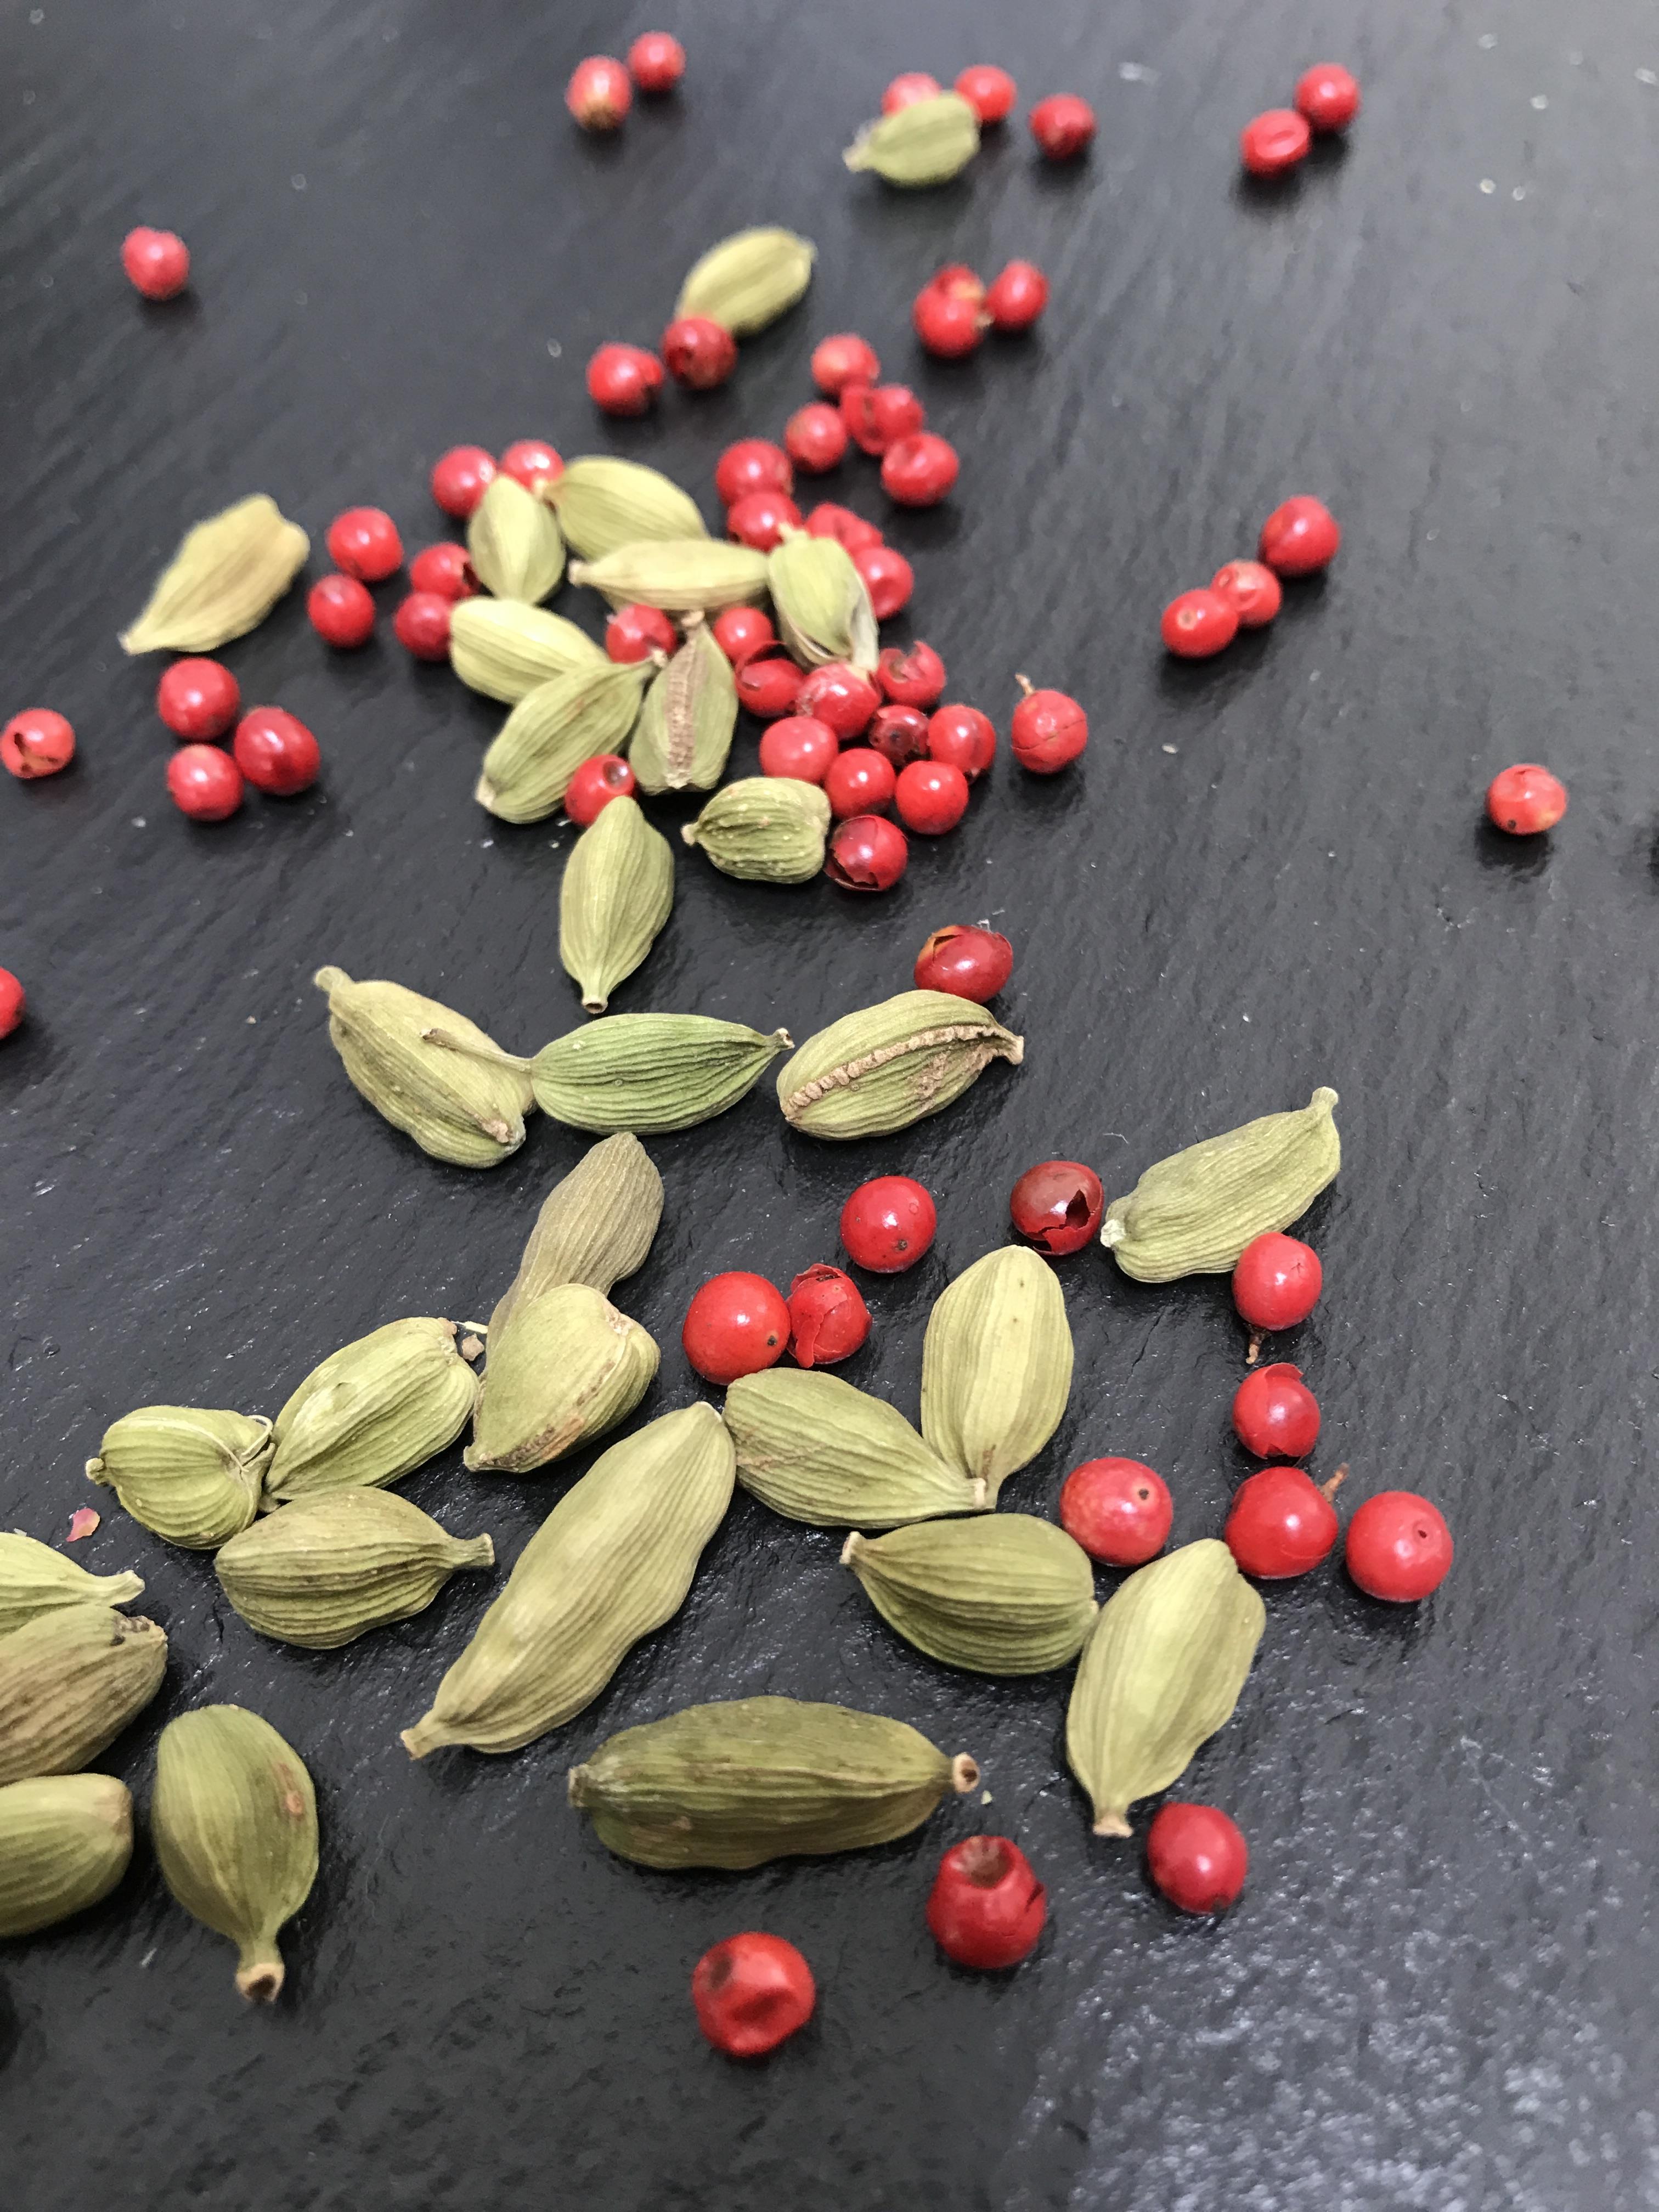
(859, 782)
(1281, 1524)
(879, 414)
(656, 61)
(198, 699)
(1277, 1281)
(898, 734)
(768, 682)
(1118, 1509)
(742, 632)
(1197, 624)
(700, 352)
(867, 853)
(888, 577)
(847, 529)
(760, 518)
(1062, 125)
(635, 632)
(912, 676)
(38, 742)
(157, 262)
(445, 569)
(593, 783)
(1270, 144)
(1299, 538)
(204, 782)
(1328, 96)
(422, 624)
(363, 543)
(840, 695)
(1017, 297)
(1275, 1414)
(965, 961)
(276, 752)
(844, 359)
(14, 1001)
(736, 1324)
(888, 1224)
(752, 464)
(600, 93)
(986, 1908)
(919, 471)
(965, 737)
(1399, 1547)
(461, 478)
(815, 437)
(931, 796)
(1251, 590)
(1196, 1856)
(624, 380)
(1049, 731)
(1525, 799)
(752, 1993)
(1057, 1205)
(341, 611)
(531, 462)
(907, 89)
(799, 746)
(956, 281)
(827, 1317)
(989, 90)
(948, 325)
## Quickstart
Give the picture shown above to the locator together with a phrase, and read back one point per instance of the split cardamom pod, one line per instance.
(612, 1561)
(233, 1819)
(513, 543)
(466, 1106)
(1193, 1214)
(748, 280)
(885, 1066)
(603, 504)
(553, 730)
(764, 828)
(996, 1366)
(928, 142)
(737, 1784)
(618, 891)
(681, 576)
(34, 1579)
(594, 1226)
(684, 733)
(651, 1072)
(1161, 1672)
(822, 604)
(815, 1449)
(191, 1476)
(564, 1366)
(505, 649)
(1002, 1594)
(224, 580)
(373, 1412)
(326, 1570)
(65, 1840)
(70, 1682)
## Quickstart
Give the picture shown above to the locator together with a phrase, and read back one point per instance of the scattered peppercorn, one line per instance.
(1057, 1205)
(1272, 143)
(986, 1907)
(867, 853)
(799, 746)
(656, 61)
(1328, 96)
(204, 782)
(1275, 1414)
(1276, 1281)
(38, 742)
(906, 89)
(919, 471)
(879, 414)
(1062, 125)
(1251, 590)
(1018, 295)
(600, 93)
(912, 676)
(844, 359)
(364, 543)
(13, 1002)
(989, 90)
(276, 752)
(888, 577)
(741, 632)
(965, 960)
(635, 632)
(840, 695)
(888, 1224)
(531, 462)
(1399, 1547)
(1281, 1523)
(752, 1993)
(768, 682)
(1049, 731)
(593, 783)
(1299, 537)
(624, 380)
(157, 262)
(341, 611)
(948, 325)
(422, 624)
(847, 529)
(827, 1317)
(461, 478)
(445, 569)
(1119, 1511)
(752, 464)
(859, 782)
(736, 1324)
(760, 518)
(931, 796)
(898, 734)
(815, 437)
(1197, 624)
(700, 352)
(1525, 799)
(965, 737)
(1196, 1856)
(198, 699)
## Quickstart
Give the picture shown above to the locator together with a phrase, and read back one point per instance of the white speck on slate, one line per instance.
(1519, 193)
(554, 348)
(1487, 39)
(1244, 1017)
(298, 181)
(1137, 73)
(37, 15)
(302, 300)
(486, 843)
(45, 284)
(1574, 59)
(251, 1019)
(1170, 749)
(148, 1956)
(1539, 100)
(1432, 535)
(1646, 76)
(28, 99)
(1488, 184)
(138, 822)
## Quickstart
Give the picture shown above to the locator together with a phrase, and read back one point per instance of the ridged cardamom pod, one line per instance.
(822, 604)
(505, 649)
(684, 733)
(612, 1561)
(594, 1226)
(552, 730)
(34, 1579)
(513, 543)
(326, 1570)
(618, 891)
(1002, 1594)
(815, 1449)
(996, 1365)
(681, 576)
(757, 1778)
(373, 1412)
(1193, 1214)
(748, 280)
(764, 828)
(565, 1366)
(70, 1682)
(233, 1819)
(928, 142)
(224, 580)
(191, 1476)
(651, 1072)
(1161, 1672)
(603, 504)
(465, 1106)
(885, 1066)
(65, 1840)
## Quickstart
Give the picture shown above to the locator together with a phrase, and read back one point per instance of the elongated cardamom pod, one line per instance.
(1002, 1594)
(564, 1366)
(1161, 1672)
(513, 543)
(70, 1682)
(373, 1412)
(815, 1449)
(757, 1778)
(996, 1365)
(233, 1819)
(603, 504)
(748, 280)
(466, 1106)
(65, 1840)
(594, 1226)
(764, 828)
(190, 1475)
(1193, 1214)
(885, 1066)
(505, 649)
(928, 142)
(822, 602)
(612, 1561)
(681, 576)
(552, 730)
(651, 1072)
(617, 893)
(34, 1579)
(684, 734)
(327, 1570)
(223, 580)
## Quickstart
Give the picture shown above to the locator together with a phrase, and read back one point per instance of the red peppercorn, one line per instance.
(986, 1907)
(531, 462)
(859, 782)
(1197, 624)
(461, 478)
(767, 683)
(276, 752)
(1049, 731)
(931, 796)
(593, 783)
(204, 782)
(898, 734)
(422, 624)
(600, 93)
(888, 577)
(656, 61)
(878, 415)
(840, 695)
(1062, 125)
(1275, 1414)
(752, 464)
(888, 1224)
(919, 471)
(1276, 1281)
(736, 1324)
(38, 742)
(1017, 297)
(752, 1993)
(965, 737)
(844, 359)
(1057, 1205)
(1118, 1509)
(157, 262)
(741, 632)
(867, 853)
(1196, 1856)
(341, 611)
(1328, 96)
(827, 1317)
(989, 90)
(198, 699)
(799, 746)
(847, 529)
(760, 518)
(1281, 1523)
(1299, 537)
(1251, 590)
(1399, 1547)
(1271, 143)
(906, 90)
(1525, 799)
(363, 543)
(445, 569)
(966, 961)
(815, 437)
(624, 380)
(948, 325)
(912, 676)
(700, 352)
(956, 281)
(635, 632)
(13, 1000)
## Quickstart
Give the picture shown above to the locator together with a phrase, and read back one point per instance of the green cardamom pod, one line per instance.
(70, 1682)
(513, 543)
(737, 1784)
(996, 1365)
(552, 730)
(466, 1106)
(505, 649)
(1193, 1214)
(612, 1561)
(686, 723)
(65, 1840)
(234, 1818)
(1002, 1594)
(815, 1449)
(681, 576)
(224, 580)
(928, 142)
(764, 828)
(651, 1072)
(885, 1066)
(34, 1579)
(1161, 1672)
(373, 1412)
(617, 891)
(748, 280)
(594, 1226)
(564, 1367)
(191, 1476)
(822, 602)
(327, 1570)
(603, 504)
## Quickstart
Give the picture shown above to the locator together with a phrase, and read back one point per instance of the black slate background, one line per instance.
(1268, 873)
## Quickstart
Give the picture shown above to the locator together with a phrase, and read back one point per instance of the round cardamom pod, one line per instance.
(34, 1579)
(564, 1366)
(65, 1840)
(190, 1475)
(70, 1682)
(885, 1066)
(1001, 1593)
(763, 829)
(373, 1412)
(323, 1571)
(996, 1365)
(603, 503)
(617, 893)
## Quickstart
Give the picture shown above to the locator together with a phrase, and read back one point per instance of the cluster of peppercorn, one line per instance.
(1325, 99)
(1300, 537)
(956, 307)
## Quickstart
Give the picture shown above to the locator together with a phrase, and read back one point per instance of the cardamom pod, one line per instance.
(617, 891)
(681, 576)
(764, 828)
(1161, 1671)
(1003, 1594)
(594, 1226)
(233, 1819)
(505, 649)
(736, 1783)
(885, 1066)
(191, 1476)
(34, 1579)
(552, 730)
(928, 142)
(224, 580)
(748, 280)
(466, 1106)
(564, 1367)
(612, 1561)
(373, 1412)
(1193, 1214)
(686, 723)
(822, 604)
(815, 1449)
(513, 543)
(327, 1570)
(65, 1840)
(651, 1072)
(603, 504)
(996, 1365)
(70, 1682)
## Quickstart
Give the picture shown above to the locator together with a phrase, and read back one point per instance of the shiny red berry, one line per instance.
(842, 360)
(968, 962)
(1399, 1547)
(986, 1907)
(963, 737)
(1196, 1856)
(1276, 1281)
(752, 464)
(907, 89)
(912, 676)
(600, 93)
(888, 1224)
(888, 577)
(931, 796)
(827, 1317)
(635, 632)
(1328, 96)
(531, 462)
(198, 699)
(1062, 125)
(799, 746)
(700, 352)
(768, 682)
(38, 742)
(1251, 590)
(422, 624)
(847, 529)
(1049, 731)
(14, 1001)
(593, 783)
(956, 281)
(1018, 295)
(1275, 1414)
(1197, 624)
(859, 782)
(989, 90)
(656, 61)
(742, 632)
(1270, 144)
(1118, 1509)
(760, 518)
(1525, 799)
(461, 478)
(1299, 537)
(948, 325)
(736, 1324)
(867, 853)
(1057, 1205)
(204, 782)
(341, 611)
(445, 569)
(919, 471)
(157, 262)
(624, 380)
(840, 695)
(879, 414)
(752, 1993)
(1281, 1523)
(898, 734)
(815, 437)
(276, 752)
(364, 543)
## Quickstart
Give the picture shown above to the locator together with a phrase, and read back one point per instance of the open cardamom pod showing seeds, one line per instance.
(224, 580)
(814, 1449)
(34, 1579)
(70, 1682)
(463, 1102)
(887, 1066)
(325, 1570)
(373, 1412)
(188, 1474)
(563, 1366)
(1002, 1593)
(996, 1365)
(684, 732)
(617, 893)
(65, 1840)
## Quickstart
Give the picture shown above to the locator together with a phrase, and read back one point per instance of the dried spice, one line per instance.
(603, 504)
(327, 1570)
(373, 1412)
(651, 1072)
(564, 1367)
(594, 1226)
(65, 1840)
(1001, 1593)
(70, 1682)
(224, 580)
(887, 1066)
(513, 543)
(34, 1579)
(763, 829)
(748, 280)
(505, 649)
(684, 733)
(465, 1104)
(190, 1475)
(815, 1449)
(681, 575)
(617, 893)
(822, 602)
(928, 143)
(552, 730)
(996, 1366)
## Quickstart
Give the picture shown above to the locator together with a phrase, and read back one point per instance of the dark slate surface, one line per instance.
(1269, 873)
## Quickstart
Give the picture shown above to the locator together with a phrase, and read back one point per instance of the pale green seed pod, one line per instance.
(226, 577)
(763, 829)
(552, 730)
(928, 142)
(564, 1367)
(505, 649)
(815, 1449)
(822, 604)
(70, 1682)
(748, 280)
(34, 1579)
(594, 1226)
(190, 1475)
(373, 1412)
(617, 893)
(1002, 1594)
(612, 1561)
(603, 504)
(684, 734)
(513, 543)
(233, 1819)
(681, 576)
(65, 1840)
(996, 1366)
(885, 1066)
(327, 1570)
(651, 1072)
